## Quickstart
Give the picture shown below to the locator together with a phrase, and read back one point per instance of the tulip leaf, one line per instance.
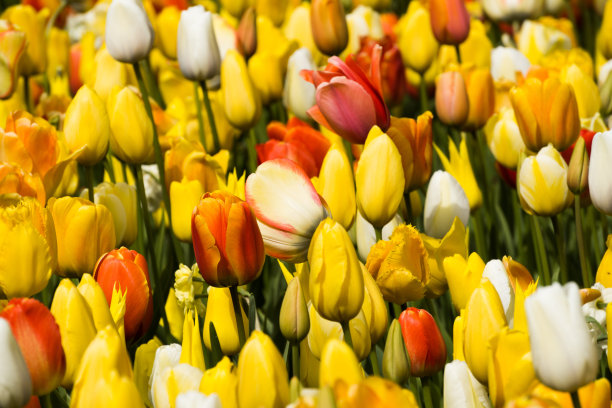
(252, 314)
(216, 354)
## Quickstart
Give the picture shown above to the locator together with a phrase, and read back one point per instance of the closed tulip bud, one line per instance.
(247, 33)
(546, 112)
(13, 47)
(374, 308)
(197, 50)
(600, 187)
(462, 389)
(293, 321)
(450, 21)
(504, 137)
(84, 230)
(39, 339)
(241, 101)
(481, 95)
(267, 74)
(416, 39)
(87, 127)
(127, 270)
(336, 185)
(222, 380)
(28, 237)
(578, 169)
(605, 34)
(96, 300)
(131, 130)
(260, 359)
(380, 189)
(168, 25)
(328, 25)
(452, 103)
(15, 380)
(220, 312)
(184, 197)
(585, 90)
(444, 201)
(424, 342)
(336, 281)
(396, 363)
(338, 363)
(76, 325)
(129, 34)
(32, 23)
(542, 183)
(299, 94)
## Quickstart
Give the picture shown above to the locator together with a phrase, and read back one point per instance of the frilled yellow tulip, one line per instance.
(338, 363)
(87, 127)
(191, 349)
(96, 300)
(459, 166)
(260, 360)
(105, 375)
(33, 24)
(379, 178)
(241, 101)
(106, 74)
(184, 197)
(374, 308)
(336, 282)
(167, 27)
(143, 365)
(400, 266)
(220, 312)
(222, 380)
(585, 89)
(483, 319)
(84, 230)
(132, 133)
(29, 255)
(546, 112)
(416, 39)
(481, 94)
(463, 276)
(504, 137)
(337, 186)
(74, 318)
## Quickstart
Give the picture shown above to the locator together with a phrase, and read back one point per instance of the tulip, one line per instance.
(578, 168)
(328, 25)
(287, 207)
(226, 240)
(86, 126)
(462, 389)
(166, 358)
(338, 363)
(585, 90)
(128, 271)
(349, 100)
(196, 399)
(452, 103)
(557, 328)
(379, 188)
(242, 104)
(28, 237)
(396, 363)
(336, 281)
(220, 312)
(246, 33)
(131, 130)
(96, 300)
(599, 189)
(32, 23)
(481, 95)
(366, 234)
(14, 44)
(605, 92)
(198, 53)
(298, 94)
(506, 62)
(76, 325)
(129, 34)
(537, 40)
(293, 321)
(191, 349)
(84, 230)
(416, 39)
(450, 21)
(39, 339)
(546, 112)
(172, 379)
(13, 179)
(424, 342)
(184, 197)
(512, 11)
(463, 277)
(444, 201)
(504, 137)
(542, 183)
(374, 308)
(259, 359)
(168, 25)
(223, 381)
(15, 380)
(267, 72)
(336, 186)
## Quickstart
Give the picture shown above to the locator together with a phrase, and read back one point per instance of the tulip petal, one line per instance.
(243, 244)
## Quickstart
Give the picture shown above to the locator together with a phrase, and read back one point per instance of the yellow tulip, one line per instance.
(416, 39)
(33, 24)
(481, 95)
(476, 49)
(176, 315)
(504, 137)
(329, 26)
(13, 45)
(604, 38)
(297, 28)
(536, 40)
(184, 197)
(96, 300)
(28, 239)
(336, 282)
(463, 277)
(222, 380)
(604, 270)
(73, 316)
(234, 184)
(86, 126)
(106, 74)
(309, 366)
(585, 89)
(458, 336)
(85, 231)
(132, 133)
(167, 27)
(242, 104)
(379, 178)
(459, 166)
(275, 10)
(262, 375)
(337, 186)
(293, 320)
(235, 7)
(338, 363)
(373, 392)
(191, 351)
(374, 308)
(396, 363)
(143, 365)
(58, 50)
(118, 309)
(220, 313)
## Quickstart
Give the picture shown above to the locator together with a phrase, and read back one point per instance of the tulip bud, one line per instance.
(299, 94)
(14, 376)
(338, 362)
(247, 33)
(167, 25)
(14, 45)
(294, 322)
(374, 308)
(328, 25)
(242, 104)
(33, 24)
(450, 21)
(39, 339)
(424, 342)
(396, 364)
(184, 197)
(462, 389)
(600, 187)
(481, 95)
(259, 359)
(267, 73)
(129, 34)
(222, 380)
(191, 349)
(96, 300)
(578, 170)
(220, 312)
(452, 104)
(416, 39)
(198, 53)
(336, 185)
(444, 201)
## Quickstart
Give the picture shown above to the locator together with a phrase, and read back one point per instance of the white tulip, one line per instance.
(15, 382)
(462, 389)
(166, 357)
(535, 40)
(565, 356)
(196, 45)
(129, 34)
(366, 235)
(496, 273)
(506, 61)
(513, 9)
(195, 399)
(444, 201)
(600, 167)
(299, 94)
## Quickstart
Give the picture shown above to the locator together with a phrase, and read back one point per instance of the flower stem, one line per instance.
(90, 183)
(295, 357)
(251, 142)
(196, 96)
(347, 334)
(238, 314)
(540, 250)
(560, 248)
(458, 53)
(423, 94)
(211, 118)
(481, 246)
(575, 399)
(586, 273)
(147, 219)
(374, 361)
(378, 232)
(427, 401)
(148, 76)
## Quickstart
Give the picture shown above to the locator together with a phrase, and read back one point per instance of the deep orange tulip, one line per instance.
(424, 342)
(450, 21)
(226, 239)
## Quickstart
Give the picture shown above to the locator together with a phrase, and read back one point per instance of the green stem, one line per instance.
(481, 246)
(458, 53)
(427, 401)
(26, 93)
(90, 184)
(238, 314)
(347, 334)
(397, 310)
(151, 84)
(604, 226)
(586, 278)
(378, 232)
(374, 361)
(211, 118)
(349, 151)
(140, 189)
(251, 142)
(575, 399)
(423, 94)
(295, 356)
(196, 96)
(540, 249)
(560, 248)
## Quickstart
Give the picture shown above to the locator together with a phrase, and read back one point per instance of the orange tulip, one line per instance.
(424, 342)
(127, 270)
(450, 21)
(13, 179)
(481, 96)
(226, 239)
(328, 24)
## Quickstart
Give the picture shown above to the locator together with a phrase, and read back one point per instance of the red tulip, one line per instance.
(424, 342)
(39, 339)
(128, 270)
(587, 135)
(450, 21)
